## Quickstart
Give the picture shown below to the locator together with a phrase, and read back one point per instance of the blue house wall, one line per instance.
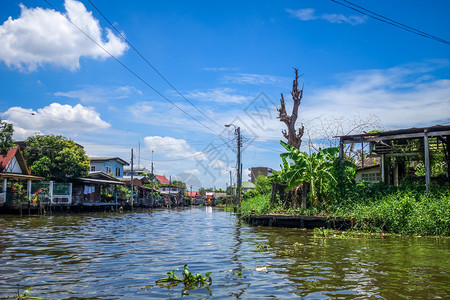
(108, 166)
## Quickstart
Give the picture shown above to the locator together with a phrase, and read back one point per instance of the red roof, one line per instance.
(162, 179)
(192, 194)
(6, 160)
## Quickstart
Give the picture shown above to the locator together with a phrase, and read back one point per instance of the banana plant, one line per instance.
(316, 169)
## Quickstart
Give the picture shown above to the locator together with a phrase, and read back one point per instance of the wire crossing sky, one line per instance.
(381, 18)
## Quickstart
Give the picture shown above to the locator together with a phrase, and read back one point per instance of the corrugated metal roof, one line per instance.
(118, 159)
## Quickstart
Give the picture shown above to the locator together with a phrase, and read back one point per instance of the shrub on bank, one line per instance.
(404, 213)
(259, 204)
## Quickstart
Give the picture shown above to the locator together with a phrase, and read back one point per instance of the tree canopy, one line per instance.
(6, 133)
(179, 184)
(56, 158)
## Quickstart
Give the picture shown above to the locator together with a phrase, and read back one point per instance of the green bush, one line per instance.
(260, 204)
(404, 212)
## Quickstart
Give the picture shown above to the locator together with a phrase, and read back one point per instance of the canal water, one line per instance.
(120, 256)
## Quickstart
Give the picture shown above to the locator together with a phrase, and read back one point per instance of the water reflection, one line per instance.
(113, 256)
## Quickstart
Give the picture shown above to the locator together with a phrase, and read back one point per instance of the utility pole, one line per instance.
(153, 190)
(231, 187)
(153, 186)
(132, 187)
(239, 175)
(237, 131)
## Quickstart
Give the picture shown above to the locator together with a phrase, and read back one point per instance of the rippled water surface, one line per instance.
(113, 256)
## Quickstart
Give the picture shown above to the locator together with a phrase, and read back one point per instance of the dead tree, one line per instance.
(293, 137)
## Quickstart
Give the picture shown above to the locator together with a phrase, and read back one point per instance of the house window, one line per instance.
(117, 172)
(108, 170)
(92, 168)
(371, 177)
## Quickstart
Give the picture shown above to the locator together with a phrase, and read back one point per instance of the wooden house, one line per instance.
(16, 178)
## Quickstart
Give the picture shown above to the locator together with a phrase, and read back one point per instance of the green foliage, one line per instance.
(322, 232)
(153, 181)
(344, 173)
(179, 184)
(190, 280)
(56, 158)
(123, 192)
(259, 204)
(262, 247)
(315, 169)
(263, 186)
(6, 133)
(238, 273)
(404, 212)
(20, 193)
(24, 295)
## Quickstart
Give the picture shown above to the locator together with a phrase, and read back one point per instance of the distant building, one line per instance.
(368, 170)
(247, 186)
(136, 171)
(162, 179)
(108, 165)
(255, 172)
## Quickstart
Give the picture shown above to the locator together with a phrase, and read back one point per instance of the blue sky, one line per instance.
(231, 59)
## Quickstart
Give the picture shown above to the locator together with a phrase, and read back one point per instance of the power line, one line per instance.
(154, 69)
(386, 20)
(199, 154)
(267, 148)
(129, 70)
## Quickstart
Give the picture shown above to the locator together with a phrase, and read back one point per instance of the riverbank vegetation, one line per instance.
(321, 184)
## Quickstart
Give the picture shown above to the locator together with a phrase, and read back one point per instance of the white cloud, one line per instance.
(217, 164)
(305, 14)
(308, 14)
(55, 118)
(219, 95)
(165, 115)
(193, 172)
(258, 79)
(340, 18)
(172, 148)
(43, 36)
(220, 69)
(400, 97)
(100, 94)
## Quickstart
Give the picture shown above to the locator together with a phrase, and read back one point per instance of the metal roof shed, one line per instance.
(395, 143)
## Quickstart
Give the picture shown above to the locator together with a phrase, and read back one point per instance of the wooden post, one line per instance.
(29, 189)
(50, 190)
(70, 193)
(5, 186)
(362, 155)
(115, 195)
(29, 195)
(341, 150)
(383, 179)
(427, 161)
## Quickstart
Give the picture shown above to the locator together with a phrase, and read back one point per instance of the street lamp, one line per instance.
(237, 131)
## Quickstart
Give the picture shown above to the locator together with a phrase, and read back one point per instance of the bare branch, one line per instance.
(293, 137)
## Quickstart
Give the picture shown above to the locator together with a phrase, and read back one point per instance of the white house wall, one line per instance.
(359, 174)
(14, 166)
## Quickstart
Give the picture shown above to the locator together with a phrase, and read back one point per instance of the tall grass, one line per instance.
(403, 212)
(259, 204)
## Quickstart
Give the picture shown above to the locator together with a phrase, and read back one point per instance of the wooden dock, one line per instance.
(293, 221)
